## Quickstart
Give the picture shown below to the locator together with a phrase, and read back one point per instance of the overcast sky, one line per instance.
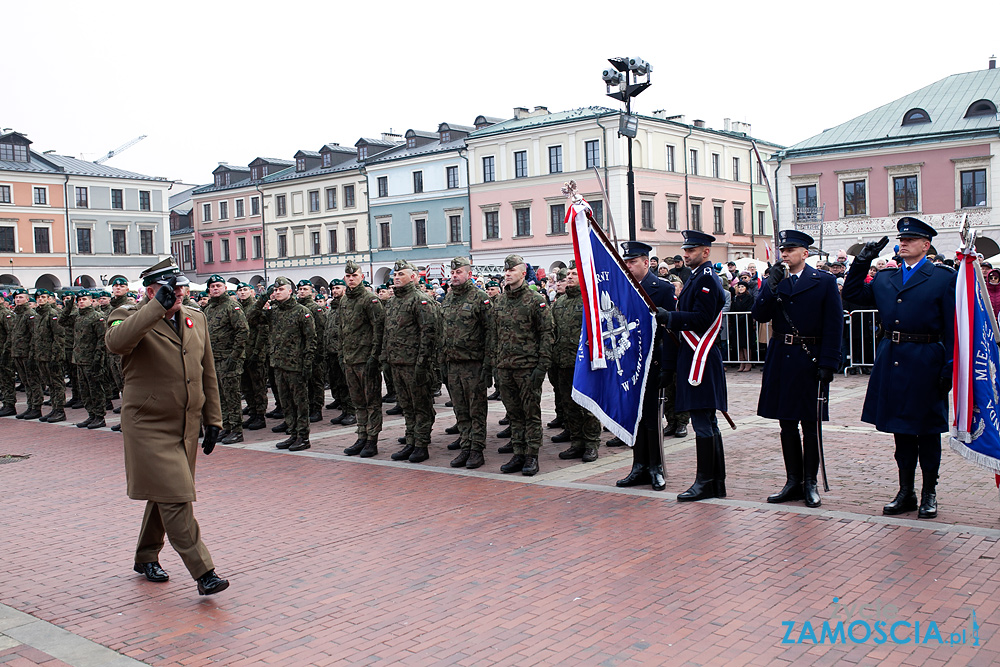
(230, 81)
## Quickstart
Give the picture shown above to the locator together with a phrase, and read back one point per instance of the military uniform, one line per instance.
(227, 326)
(523, 354)
(67, 318)
(293, 340)
(584, 428)
(361, 332)
(25, 319)
(7, 395)
(254, 378)
(115, 360)
(89, 356)
(317, 380)
(47, 346)
(334, 365)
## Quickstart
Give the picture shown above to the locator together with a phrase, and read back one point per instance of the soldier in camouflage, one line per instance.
(584, 428)
(560, 400)
(47, 345)
(22, 354)
(468, 342)
(361, 330)
(335, 368)
(384, 294)
(523, 352)
(67, 318)
(253, 382)
(228, 332)
(317, 382)
(7, 395)
(408, 346)
(89, 356)
(119, 298)
(292, 343)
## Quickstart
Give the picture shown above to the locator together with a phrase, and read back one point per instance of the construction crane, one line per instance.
(126, 145)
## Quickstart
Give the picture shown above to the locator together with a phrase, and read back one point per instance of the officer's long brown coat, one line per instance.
(170, 386)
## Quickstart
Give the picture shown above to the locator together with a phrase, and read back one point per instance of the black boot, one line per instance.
(640, 466)
(86, 422)
(315, 416)
(575, 451)
(394, 410)
(286, 443)
(277, 413)
(657, 477)
(453, 446)
(418, 455)
(55, 416)
(452, 430)
(516, 464)
(403, 454)
(928, 504)
(791, 452)
(32, 413)
(504, 421)
(530, 468)
(555, 423)
(460, 460)
(280, 428)
(906, 499)
(476, 460)
(616, 442)
(299, 445)
(256, 423)
(358, 445)
(348, 420)
(562, 436)
(811, 492)
(9, 410)
(704, 481)
(504, 433)
(371, 448)
(505, 449)
(97, 423)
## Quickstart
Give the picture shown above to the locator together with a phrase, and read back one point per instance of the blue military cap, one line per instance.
(631, 249)
(910, 228)
(693, 239)
(793, 238)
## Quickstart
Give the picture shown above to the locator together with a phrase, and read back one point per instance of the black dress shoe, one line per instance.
(210, 583)
(299, 445)
(928, 505)
(530, 468)
(504, 421)
(394, 410)
(356, 448)
(97, 423)
(562, 436)
(315, 417)
(505, 449)
(669, 430)
(656, 477)
(153, 571)
(117, 428)
(280, 428)
(452, 430)
(504, 433)
(905, 501)
(348, 420)
(476, 460)
(286, 443)
(460, 460)
(232, 438)
(403, 454)
(516, 464)
(681, 432)
(454, 446)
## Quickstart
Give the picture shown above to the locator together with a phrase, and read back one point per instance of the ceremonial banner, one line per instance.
(975, 431)
(616, 341)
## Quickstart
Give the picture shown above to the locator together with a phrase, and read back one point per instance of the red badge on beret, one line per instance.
(189, 322)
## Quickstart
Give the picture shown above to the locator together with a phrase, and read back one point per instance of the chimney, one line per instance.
(725, 124)
(541, 110)
(223, 164)
(699, 123)
(391, 136)
(993, 62)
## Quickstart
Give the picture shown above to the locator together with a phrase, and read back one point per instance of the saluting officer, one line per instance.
(335, 368)
(47, 346)
(227, 325)
(24, 359)
(317, 379)
(7, 395)
(253, 381)
(701, 380)
(908, 389)
(806, 316)
(88, 355)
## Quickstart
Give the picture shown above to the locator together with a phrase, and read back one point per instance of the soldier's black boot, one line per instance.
(232, 438)
(476, 460)
(358, 445)
(791, 452)
(86, 422)
(389, 398)
(394, 410)
(333, 405)
(8, 410)
(504, 433)
(315, 416)
(575, 451)
(30, 413)
(460, 460)
(55, 416)
(616, 442)
(246, 422)
(640, 467)
(530, 468)
(348, 419)
(928, 504)
(454, 446)
(811, 492)
(286, 443)
(246, 410)
(556, 423)
(495, 396)
(371, 448)
(299, 445)
(516, 464)
(97, 423)
(504, 420)
(906, 499)
(452, 430)
(280, 428)
(404, 453)
(256, 423)
(505, 449)
(418, 455)
(589, 454)
(277, 413)
(562, 436)
(704, 481)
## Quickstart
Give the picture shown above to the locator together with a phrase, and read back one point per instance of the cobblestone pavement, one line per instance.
(337, 560)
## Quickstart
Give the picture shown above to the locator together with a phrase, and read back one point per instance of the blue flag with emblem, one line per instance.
(616, 339)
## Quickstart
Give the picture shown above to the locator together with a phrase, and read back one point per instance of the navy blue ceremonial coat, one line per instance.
(700, 302)
(789, 386)
(661, 293)
(903, 393)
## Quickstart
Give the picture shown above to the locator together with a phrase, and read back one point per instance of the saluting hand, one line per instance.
(871, 250)
(774, 276)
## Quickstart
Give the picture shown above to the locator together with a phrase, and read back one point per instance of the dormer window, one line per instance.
(13, 153)
(981, 108)
(263, 171)
(227, 178)
(254, 173)
(327, 160)
(915, 116)
(362, 152)
(218, 180)
(300, 164)
(445, 137)
(411, 142)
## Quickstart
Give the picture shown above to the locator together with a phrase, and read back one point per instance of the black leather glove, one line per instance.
(944, 384)
(663, 317)
(486, 376)
(871, 250)
(165, 295)
(211, 437)
(775, 276)
(825, 375)
(536, 378)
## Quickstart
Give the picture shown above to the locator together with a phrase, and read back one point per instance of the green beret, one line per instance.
(84, 293)
(282, 280)
(304, 283)
(231, 292)
(351, 267)
(366, 283)
(31, 299)
(403, 264)
(338, 281)
(492, 283)
(18, 290)
(43, 291)
(242, 285)
(119, 281)
(202, 295)
(215, 278)
(459, 262)
(512, 260)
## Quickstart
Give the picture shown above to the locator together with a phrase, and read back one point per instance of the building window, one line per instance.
(42, 240)
(420, 232)
(186, 256)
(717, 222)
(254, 174)
(670, 159)
(385, 234)
(383, 186)
(715, 165)
(81, 198)
(254, 205)
(557, 218)
(981, 108)
(240, 208)
(489, 169)
(146, 241)
(598, 208)
(445, 137)
(452, 175)
(362, 152)
(854, 198)
(646, 212)
(904, 194)
(206, 213)
(5, 194)
(218, 180)
(117, 200)
(914, 116)
(144, 203)
(314, 201)
(41, 196)
(317, 250)
(520, 164)
(672, 215)
(555, 160)
(209, 253)
(119, 245)
(6, 239)
(281, 205)
(805, 197)
(522, 218)
(973, 188)
(348, 196)
(696, 217)
(694, 161)
(12, 153)
(411, 142)
(327, 160)
(331, 198)
(736, 169)
(300, 164)
(333, 241)
(761, 224)
(418, 182)
(223, 210)
(455, 228)
(352, 239)
(593, 150)
(282, 245)
(491, 220)
(738, 220)
(241, 248)
(258, 248)
(224, 249)
(83, 245)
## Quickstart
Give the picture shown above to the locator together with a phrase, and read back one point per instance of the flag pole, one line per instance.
(607, 205)
(621, 263)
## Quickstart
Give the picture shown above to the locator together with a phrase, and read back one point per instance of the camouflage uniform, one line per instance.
(317, 381)
(115, 360)
(466, 345)
(7, 395)
(583, 426)
(24, 361)
(408, 346)
(228, 331)
(361, 331)
(89, 356)
(335, 369)
(292, 341)
(254, 378)
(67, 319)
(47, 346)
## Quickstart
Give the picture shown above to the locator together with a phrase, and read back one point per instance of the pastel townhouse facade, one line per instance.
(932, 154)
(65, 221)
(419, 202)
(182, 227)
(686, 177)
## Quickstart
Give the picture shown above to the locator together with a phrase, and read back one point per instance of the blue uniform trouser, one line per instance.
(923, 448)
(705, 423)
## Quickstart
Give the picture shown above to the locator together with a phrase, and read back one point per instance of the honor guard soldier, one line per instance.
(523, 353)
(335, 368)
(7, 394)
(362, 324)
(647, 465)
(807, 324)
(88, 355)
(317, 380)
(21, 352)
(557, 390)
(908, 389)
(253, 381)
(227, 326)
(170, 389)
(701, 379)
(293, 339)
(47, 346)
(467, 347)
